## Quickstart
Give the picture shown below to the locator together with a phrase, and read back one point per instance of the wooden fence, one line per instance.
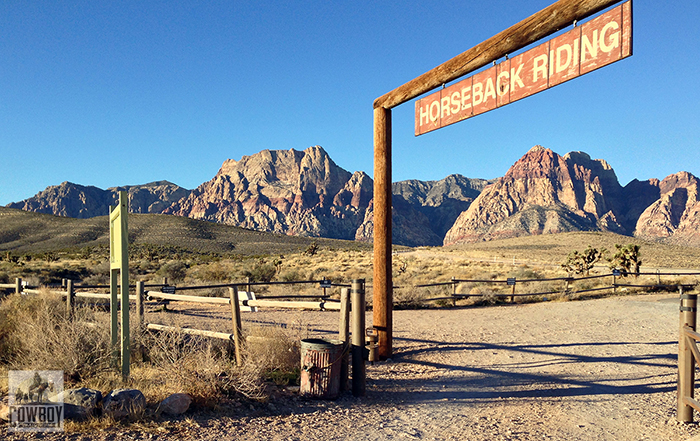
(688, 357)
(567, 285)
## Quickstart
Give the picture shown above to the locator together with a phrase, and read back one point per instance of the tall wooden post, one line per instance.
(139, 302)
(18, 285)
(686, 363)
(236, 322)
(358, 338)
(70, 298)
(344, 336)
(382, 301)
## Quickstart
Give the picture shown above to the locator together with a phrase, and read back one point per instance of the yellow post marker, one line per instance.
(119, 275)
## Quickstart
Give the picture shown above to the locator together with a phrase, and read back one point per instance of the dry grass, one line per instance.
(36, 333)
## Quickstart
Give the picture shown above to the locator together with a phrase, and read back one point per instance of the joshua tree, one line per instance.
(581, 263)
(627, 259)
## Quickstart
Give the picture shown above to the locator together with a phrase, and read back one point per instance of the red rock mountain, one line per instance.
(675, 216)
(544, 193)
(284, 191)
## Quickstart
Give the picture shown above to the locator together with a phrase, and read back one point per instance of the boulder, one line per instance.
(79, 403)
(175, 404)
(121, 403)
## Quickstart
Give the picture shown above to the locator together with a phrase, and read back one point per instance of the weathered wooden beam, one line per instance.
(212, 334)
(382, 297)
(186, 298)
(539, 25)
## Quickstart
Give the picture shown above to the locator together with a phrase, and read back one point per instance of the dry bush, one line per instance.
(414, 297)
(201, 367)
(36, 333)
(275, 352)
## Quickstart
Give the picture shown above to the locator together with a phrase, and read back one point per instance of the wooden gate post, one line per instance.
(236, 319)
(358, 338)
(70, 298)
(686, 363)
(18, 285)
(382, 298)
(343, 335)
(139, 302)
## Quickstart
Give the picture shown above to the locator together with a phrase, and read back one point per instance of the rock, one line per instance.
(121, 403)
(175, 404)
(80, 403)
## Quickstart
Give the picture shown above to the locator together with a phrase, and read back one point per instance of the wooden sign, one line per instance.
(601, 41)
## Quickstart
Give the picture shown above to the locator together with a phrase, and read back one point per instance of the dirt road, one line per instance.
(588, 370)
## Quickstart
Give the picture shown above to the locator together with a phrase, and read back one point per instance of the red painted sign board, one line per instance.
(603, 40)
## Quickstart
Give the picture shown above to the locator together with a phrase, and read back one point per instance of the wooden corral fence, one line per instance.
(357, 294)
(567, 287)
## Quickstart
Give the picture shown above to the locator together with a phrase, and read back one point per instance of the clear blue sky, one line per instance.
(120, 93)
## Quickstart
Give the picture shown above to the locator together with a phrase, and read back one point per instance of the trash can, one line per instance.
(320, 368)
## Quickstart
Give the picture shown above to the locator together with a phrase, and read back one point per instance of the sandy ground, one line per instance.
(587, 370)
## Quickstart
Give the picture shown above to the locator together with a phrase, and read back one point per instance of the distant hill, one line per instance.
(83, 202)
(22, 231)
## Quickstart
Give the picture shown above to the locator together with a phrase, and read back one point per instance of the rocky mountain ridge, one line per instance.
(304, 193)
(83, 202)
(545, 193)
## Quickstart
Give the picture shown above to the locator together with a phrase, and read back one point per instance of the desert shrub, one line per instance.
(36, 333)
(411, 298)
(262, 271)
(214, 272)
(201, 368)
(526, 273)
(292, 275)
(175, 270)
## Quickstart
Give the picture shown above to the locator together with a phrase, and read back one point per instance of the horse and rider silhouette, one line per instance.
(34, 390)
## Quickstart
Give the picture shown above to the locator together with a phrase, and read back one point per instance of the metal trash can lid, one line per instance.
(319, 343)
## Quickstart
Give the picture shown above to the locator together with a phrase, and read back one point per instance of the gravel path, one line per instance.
(588, 370)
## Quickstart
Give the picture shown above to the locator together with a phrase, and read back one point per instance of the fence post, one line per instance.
(236, 318)
(344, 333)
(358, 338)
(18, 285)
(247, 284)
(512, 292)
(139, 302)
(454, 291)
(70, 298)
(614, 283)
(686, 363)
